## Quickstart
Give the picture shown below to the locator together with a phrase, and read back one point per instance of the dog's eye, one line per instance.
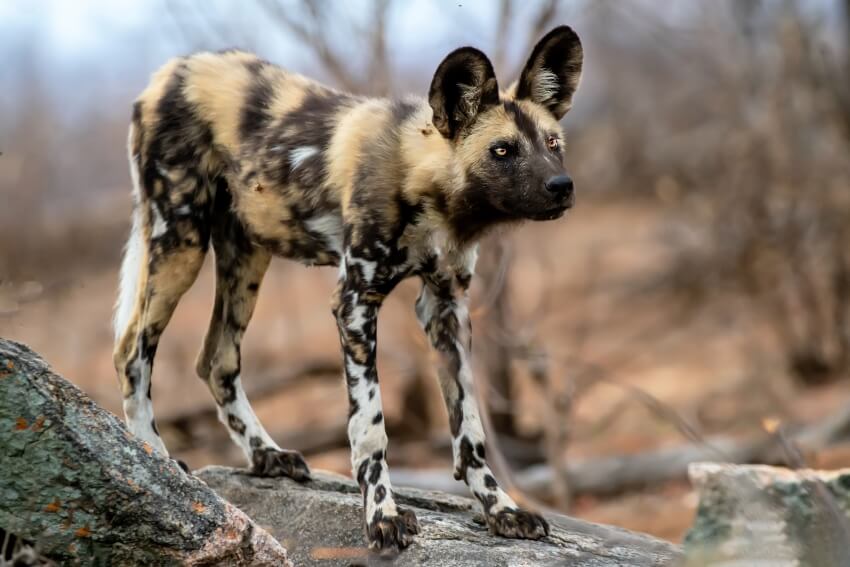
(500, 151)
(553, 143)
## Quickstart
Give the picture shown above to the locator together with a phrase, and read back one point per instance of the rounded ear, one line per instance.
(463, 86)
(552, 73)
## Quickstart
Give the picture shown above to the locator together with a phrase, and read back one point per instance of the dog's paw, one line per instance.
(388, 535)
(278, 462)
(519, 524)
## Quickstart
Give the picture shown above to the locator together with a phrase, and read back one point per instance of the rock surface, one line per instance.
(76, 483)
(73, 480)
(761, 515)
(320, 524)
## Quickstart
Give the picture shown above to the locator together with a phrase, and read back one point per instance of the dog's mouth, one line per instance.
(551, 214)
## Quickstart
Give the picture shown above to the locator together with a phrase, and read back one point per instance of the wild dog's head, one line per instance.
(510, 144)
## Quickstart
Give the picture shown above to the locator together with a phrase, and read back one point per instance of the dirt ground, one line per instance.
(584, 288)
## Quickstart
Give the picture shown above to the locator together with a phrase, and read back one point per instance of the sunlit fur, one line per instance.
(230, 150)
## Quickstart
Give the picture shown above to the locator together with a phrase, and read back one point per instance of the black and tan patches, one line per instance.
(256, 115)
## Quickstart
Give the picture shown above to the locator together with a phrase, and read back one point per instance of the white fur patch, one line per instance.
(470, 259)
(159, 225)
(475, 481)
(138, 409)
(129, 279)
(299, 155)
(138, 414)
(546, 85)
(162, 170)
(329, 226)
(367, 266)
(358, 318)
(425, 306)
(131, 264)
(355, 370)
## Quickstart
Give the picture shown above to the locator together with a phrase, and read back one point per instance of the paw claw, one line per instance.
(388, 535)
(276, 462)
(519, 524)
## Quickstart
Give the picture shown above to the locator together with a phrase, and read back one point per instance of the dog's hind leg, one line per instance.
(240, 267)
(164, 254)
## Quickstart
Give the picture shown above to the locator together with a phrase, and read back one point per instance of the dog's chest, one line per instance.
(431, 252)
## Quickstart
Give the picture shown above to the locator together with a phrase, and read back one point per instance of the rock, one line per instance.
(751, 515)
(79, 486)
(74, 481)
(320, 523)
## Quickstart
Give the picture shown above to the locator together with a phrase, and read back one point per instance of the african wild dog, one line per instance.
(229, 149)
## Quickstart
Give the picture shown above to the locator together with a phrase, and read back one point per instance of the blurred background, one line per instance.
(694, 306)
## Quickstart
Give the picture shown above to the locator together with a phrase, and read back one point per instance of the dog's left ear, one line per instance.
(552, 73)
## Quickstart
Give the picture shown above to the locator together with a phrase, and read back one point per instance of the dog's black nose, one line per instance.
(560, 186)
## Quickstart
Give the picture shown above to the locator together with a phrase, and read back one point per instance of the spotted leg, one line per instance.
(389, 528)
(240, 267)
(442, 310)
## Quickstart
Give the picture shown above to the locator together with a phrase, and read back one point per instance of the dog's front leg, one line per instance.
(389, 528)
(442, 311)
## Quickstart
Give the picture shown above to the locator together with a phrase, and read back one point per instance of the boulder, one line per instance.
(763, 515)
(77, 484)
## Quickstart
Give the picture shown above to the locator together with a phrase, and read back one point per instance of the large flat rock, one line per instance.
(320, 523)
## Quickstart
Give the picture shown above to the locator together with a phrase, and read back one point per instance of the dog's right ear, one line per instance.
(463, 86)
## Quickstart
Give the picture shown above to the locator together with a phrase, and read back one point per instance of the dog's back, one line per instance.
(289, 151)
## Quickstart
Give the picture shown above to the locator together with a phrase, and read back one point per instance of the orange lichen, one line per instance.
(148, 449)
(83, 532)
(21, 424)
(53, 506)
(199, 507)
